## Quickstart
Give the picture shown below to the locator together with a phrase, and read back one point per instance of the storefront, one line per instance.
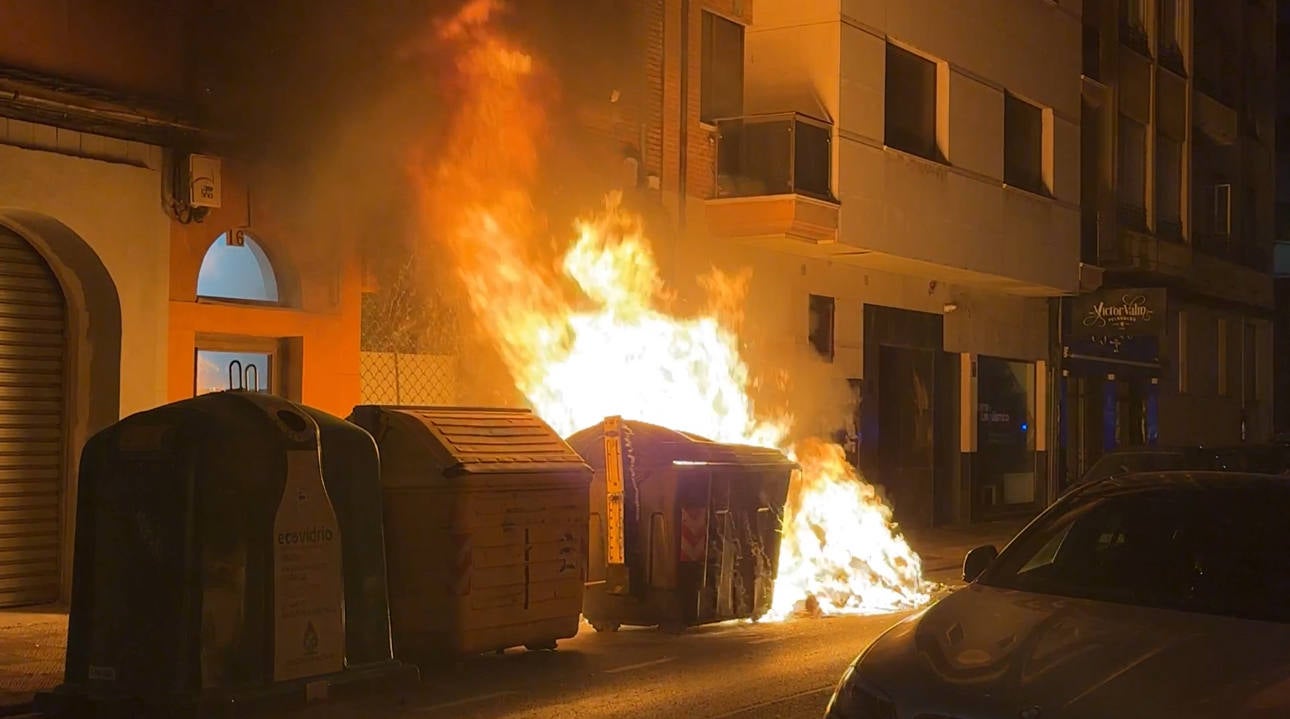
(1109, 391)
(1006, 475)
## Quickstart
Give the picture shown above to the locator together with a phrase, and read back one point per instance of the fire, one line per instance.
(591, 335)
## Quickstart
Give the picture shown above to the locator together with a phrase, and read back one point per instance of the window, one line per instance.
(820, 326)
(721, 85)
(1216, 210)
(910, 112)
(1223, 359)
(219, 370)
(1092, 49)
(259, 364)
(1250, 372)
(1023, 144)
(1170, 25)
(238, 272)
(1131, 164)
(1211, 549)
(1184, 361)
(1168, 188)
(1133, 14)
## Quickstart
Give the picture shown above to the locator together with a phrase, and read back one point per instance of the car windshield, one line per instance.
(1132, 462)
(1192, 547)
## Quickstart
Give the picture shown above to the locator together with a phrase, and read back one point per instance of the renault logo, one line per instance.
(1029, 713)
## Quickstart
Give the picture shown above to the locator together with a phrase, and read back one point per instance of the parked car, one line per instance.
(1147, 595)
(1271, 458)
(1130, 460)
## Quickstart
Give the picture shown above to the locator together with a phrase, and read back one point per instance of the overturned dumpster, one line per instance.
(228, 550)
(486, 528)
(683, 530)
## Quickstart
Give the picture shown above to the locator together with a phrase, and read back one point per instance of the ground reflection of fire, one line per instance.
(613, 348)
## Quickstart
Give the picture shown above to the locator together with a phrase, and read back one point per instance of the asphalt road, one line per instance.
(736, 670)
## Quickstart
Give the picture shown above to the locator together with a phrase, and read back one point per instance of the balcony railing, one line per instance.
(778, 154)
(1226, 247)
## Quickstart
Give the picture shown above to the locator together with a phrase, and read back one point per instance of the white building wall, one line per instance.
(108, 192)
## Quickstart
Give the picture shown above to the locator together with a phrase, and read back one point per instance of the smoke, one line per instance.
(339, 97)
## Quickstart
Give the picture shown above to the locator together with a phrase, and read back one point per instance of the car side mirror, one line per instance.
(977, 560)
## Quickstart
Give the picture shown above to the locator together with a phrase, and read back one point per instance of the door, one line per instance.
(33, 346)
(906, 430)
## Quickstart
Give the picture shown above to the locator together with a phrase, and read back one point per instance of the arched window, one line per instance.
(241, 273)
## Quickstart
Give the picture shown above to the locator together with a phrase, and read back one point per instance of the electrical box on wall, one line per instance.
(203, 181)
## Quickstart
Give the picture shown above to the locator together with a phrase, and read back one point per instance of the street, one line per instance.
(730, 670)
(736, 669)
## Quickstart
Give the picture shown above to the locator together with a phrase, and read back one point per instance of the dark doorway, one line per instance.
(906, 416)
(901, 434)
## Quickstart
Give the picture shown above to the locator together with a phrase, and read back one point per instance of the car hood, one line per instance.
(990, 652)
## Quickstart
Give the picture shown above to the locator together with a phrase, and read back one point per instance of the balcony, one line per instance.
(774, 177)
(1226, 247)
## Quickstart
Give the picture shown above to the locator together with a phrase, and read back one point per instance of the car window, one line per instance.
(1220, 551)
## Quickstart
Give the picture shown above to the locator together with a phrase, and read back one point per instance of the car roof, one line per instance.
(1182, 480)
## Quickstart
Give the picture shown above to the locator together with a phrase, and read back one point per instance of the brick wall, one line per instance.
(664, 58)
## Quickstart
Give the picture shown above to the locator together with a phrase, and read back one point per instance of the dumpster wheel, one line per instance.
(543, 646)
(606, 626)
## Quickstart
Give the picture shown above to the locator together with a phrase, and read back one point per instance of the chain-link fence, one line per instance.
(408, 379)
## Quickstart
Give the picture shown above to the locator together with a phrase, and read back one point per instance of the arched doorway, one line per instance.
(33, 426)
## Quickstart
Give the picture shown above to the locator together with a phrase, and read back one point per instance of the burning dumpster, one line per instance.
(485, 526)
(227, 549)
(683, 530)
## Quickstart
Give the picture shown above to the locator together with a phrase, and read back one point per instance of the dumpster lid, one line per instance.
(652, 445)
(482, 439)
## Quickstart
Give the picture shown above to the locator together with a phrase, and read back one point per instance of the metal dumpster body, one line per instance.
(486, 522)
(683, 531)
(224, 554)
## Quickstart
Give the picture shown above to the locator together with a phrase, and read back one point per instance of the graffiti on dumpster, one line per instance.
(694, 533)
(308, 599)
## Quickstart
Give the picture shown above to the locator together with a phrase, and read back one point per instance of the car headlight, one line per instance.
(853, 700)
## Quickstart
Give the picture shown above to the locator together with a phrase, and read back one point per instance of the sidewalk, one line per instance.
(33, 641)
(942, 549)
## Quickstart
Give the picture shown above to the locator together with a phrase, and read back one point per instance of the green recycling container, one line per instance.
(228, 548)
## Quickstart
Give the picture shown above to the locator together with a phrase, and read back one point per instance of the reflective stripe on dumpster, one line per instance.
(694, 533)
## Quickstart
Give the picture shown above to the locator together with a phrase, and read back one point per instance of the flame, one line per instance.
(590, 333)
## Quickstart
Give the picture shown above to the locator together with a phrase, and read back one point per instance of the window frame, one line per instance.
(827, 306)
(1035, 183)
(267, 263)
(927, 148)
(1139, 204)
(710, 24)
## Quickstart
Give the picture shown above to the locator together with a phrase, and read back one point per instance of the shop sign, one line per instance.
(1119, 313)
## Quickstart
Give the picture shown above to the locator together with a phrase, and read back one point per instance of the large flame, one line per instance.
(592, 336)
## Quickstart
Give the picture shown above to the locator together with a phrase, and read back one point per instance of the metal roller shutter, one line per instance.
(32, 347)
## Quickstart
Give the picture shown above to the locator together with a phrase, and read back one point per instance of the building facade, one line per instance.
(102, 309)
(1178, 214)
(903, 180)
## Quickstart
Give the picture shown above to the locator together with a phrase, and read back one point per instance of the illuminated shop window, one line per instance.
(241, 273)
